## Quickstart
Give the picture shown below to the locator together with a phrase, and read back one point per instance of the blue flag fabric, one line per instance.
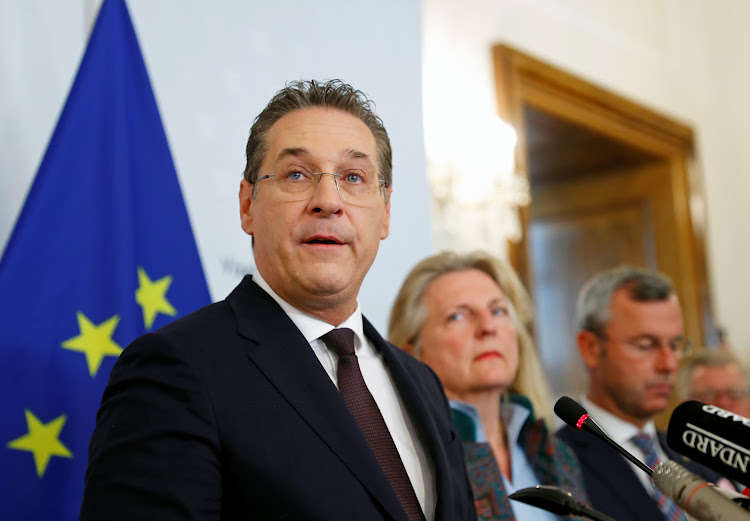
(101, 253)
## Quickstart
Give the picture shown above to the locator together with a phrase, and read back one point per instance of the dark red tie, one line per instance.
(362, 405)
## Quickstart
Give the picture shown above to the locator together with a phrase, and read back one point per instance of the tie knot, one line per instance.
(340, 341)
(644, 442)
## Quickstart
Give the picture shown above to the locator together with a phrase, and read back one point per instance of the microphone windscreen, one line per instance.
(556, 500)
(712, 436)
(569, 411)
(551, 499)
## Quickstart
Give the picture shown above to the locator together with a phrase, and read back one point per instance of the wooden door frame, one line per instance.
(522, 80)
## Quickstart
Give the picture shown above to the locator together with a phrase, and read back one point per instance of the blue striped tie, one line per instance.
(668, 507)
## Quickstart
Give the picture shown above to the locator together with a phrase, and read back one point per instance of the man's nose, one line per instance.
(668, 359)
(326, 197)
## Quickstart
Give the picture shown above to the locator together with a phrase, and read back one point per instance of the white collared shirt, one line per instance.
(416, 462)
(621, 433)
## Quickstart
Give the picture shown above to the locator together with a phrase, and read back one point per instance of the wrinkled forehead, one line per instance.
(661, 318)
(718, 375)
(320, 137)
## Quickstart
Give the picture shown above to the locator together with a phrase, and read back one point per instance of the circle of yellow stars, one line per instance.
(95, 342)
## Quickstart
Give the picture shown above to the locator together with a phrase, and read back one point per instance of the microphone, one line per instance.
(688, 491)
(573, 413)
(713, 437)
(695, 496)
(556, 500)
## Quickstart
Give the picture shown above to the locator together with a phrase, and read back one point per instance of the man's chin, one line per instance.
(657, 405)
(326, 285)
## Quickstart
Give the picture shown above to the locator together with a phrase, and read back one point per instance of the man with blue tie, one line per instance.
(631, 339)
(282, 401)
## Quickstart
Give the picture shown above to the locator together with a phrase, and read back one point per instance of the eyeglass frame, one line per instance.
(655, 347)
(335, 175)
(734, 395)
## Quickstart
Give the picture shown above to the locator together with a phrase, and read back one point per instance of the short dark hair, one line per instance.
(334, 94)
(593, 309)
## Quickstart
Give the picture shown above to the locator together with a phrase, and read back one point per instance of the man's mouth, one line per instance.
(661, 387)
(319, 239)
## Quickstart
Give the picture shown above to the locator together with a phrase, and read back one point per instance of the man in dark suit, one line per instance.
(631, 340)
(282, 401)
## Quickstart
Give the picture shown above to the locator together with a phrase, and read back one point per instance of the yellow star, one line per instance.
(95, 341)
(42, 441)
(151, 295)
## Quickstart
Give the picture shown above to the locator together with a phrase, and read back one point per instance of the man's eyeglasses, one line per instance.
(734, 395)
(355, 186)
(647, 345)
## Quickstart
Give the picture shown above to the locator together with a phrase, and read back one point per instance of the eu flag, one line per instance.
(101, 253)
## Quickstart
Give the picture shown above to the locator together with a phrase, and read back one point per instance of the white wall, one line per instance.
(724, 135)
(213, 66)
(684, 58)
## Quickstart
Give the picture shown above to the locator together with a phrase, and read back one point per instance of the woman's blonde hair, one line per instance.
(409, 313)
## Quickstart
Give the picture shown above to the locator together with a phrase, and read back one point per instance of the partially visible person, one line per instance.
(631, 339)
(715, 377)
(467, 317)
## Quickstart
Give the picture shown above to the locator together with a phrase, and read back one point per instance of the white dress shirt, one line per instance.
(416, 462)
(621, 432)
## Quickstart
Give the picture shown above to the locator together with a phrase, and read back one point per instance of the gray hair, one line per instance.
(706, 358)
(593, 308)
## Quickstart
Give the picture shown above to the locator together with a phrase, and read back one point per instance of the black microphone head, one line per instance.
(546, 497)
(569, 411)
(573, 413)
(712, 436)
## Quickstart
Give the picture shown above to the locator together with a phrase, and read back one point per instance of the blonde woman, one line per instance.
(468, 317)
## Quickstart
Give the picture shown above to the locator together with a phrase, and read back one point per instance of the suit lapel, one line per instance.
(610, 469)
(535, 444)
(417, 402)
(281, 353)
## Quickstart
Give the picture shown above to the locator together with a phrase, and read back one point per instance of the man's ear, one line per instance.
(590, 347)
(387, 221)
(246, 206)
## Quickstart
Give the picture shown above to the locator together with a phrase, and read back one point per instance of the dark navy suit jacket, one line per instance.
(611, 483)
(228, 414)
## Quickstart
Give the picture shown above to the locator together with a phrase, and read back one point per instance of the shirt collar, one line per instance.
(615, 427)
(513, 416)
(312, 327)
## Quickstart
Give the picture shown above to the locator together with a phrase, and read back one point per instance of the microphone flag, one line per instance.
(712, 436)
(102, 252)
